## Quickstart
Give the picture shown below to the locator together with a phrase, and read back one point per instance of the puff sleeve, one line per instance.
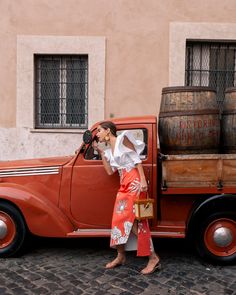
(138, 144)
(124, 150)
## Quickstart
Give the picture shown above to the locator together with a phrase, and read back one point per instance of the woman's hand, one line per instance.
(143, 185)
(95, 145)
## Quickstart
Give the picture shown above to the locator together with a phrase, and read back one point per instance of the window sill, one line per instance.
(75, 131)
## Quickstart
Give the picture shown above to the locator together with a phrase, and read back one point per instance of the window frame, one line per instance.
(211, 63)
(28, 46)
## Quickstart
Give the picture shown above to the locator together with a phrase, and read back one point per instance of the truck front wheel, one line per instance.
(12, 230)
(216, 237)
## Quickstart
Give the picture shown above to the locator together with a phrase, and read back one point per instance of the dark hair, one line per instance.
(110, 125)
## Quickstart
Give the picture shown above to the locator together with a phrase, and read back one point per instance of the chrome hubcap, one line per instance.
(223, 237)
(3, 229)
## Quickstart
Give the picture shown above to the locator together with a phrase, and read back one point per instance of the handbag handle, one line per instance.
(142, 192)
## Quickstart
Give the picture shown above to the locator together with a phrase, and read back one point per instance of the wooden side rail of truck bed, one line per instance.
(211, 171)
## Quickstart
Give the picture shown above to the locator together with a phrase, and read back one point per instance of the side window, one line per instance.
(139, 134)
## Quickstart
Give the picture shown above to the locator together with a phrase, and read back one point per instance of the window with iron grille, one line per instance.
(61, 91)
(210, 63)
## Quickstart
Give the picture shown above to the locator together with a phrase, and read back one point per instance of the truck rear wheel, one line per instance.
(12, 230)
(216, 237)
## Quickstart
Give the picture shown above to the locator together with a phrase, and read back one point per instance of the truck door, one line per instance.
(93, 192)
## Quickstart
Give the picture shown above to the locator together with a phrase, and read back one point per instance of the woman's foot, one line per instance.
(119, 260)
(153, 265)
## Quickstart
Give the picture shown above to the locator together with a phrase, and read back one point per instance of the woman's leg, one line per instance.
(153, 261)
(120, 259)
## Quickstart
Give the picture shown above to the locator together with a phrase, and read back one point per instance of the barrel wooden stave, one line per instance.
(228, 124)
(189, 121)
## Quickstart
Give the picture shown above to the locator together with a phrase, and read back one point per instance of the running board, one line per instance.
(107, 232)
(159, 234)
(90, 233)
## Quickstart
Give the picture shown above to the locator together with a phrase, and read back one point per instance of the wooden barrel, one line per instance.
(228, 122)
(189, 121)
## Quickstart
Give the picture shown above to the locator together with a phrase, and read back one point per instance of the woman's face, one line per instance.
(101, 133)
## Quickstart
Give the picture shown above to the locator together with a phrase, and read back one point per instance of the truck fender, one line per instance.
(223, 202)
(42, 217)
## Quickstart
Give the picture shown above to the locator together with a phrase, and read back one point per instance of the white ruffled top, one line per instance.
(124, 157)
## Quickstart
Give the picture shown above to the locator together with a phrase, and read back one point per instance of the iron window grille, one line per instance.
(211, 63)
(61, 91)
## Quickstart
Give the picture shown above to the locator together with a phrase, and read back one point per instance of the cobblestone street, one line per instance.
(53, 266)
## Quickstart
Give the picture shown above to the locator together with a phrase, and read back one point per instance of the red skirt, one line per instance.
(123, 214)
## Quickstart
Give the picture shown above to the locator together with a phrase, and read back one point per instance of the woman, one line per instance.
(123, 155)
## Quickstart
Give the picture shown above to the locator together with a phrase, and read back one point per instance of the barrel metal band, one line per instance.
(188, 113)
(229, 112)
(189, 89)
(209, 150)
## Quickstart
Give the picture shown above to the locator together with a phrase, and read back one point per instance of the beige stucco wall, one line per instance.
(139, 55)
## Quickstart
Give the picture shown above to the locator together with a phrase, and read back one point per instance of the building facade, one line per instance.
(67, 64)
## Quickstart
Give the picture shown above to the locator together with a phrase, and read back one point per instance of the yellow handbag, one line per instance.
(144, 208)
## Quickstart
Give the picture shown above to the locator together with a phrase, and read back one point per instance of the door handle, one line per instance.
(148, 176)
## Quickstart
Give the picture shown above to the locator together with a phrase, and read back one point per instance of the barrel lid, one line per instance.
(230, 89)
(172, 89)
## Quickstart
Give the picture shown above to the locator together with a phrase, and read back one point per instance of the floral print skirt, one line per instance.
(123, 215)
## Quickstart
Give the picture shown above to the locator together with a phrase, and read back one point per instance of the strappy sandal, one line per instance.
(155, 268)
(115, 263)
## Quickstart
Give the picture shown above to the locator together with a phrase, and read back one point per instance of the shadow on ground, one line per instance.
(166, 247)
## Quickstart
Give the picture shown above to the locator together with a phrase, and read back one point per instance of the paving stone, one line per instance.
(3, 291)
(41, 291)
(115, 291)
(20, 291)
(233, 286)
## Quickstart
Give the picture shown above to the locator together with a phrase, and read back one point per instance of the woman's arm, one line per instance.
(143, 182)
(104, 160)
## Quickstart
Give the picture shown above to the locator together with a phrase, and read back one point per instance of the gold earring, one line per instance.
(106, 138)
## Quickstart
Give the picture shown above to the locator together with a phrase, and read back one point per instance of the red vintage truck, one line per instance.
(195, 195)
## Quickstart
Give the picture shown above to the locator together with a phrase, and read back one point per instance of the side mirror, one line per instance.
(87, 137)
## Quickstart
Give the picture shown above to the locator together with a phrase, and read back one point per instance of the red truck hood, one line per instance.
(44, 162)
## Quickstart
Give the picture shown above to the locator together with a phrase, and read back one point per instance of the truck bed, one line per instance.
(199, 171)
